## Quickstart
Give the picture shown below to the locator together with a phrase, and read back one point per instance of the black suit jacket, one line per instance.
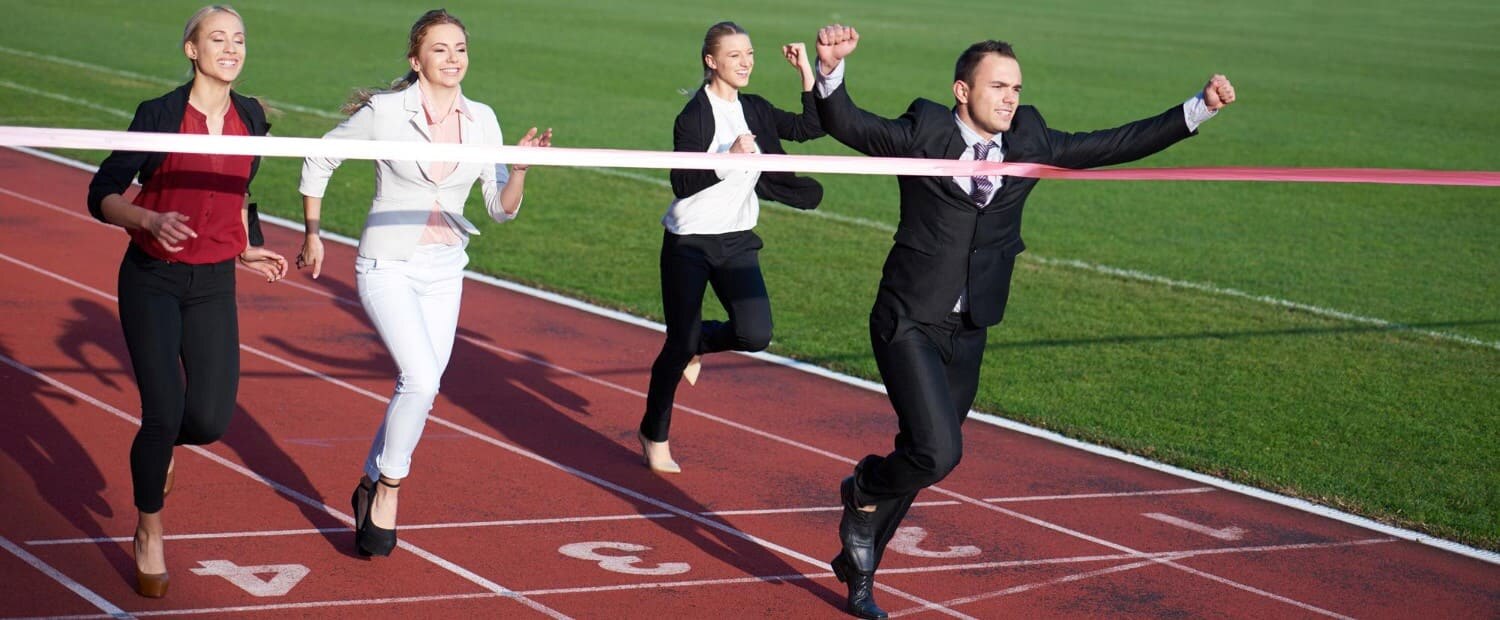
(944, 241)
(694, 130)
(164, 115)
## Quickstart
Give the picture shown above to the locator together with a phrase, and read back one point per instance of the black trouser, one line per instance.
(182, 330)
(931, 375)
(729, 261)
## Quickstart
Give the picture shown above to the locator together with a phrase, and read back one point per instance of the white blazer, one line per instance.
(403, 192)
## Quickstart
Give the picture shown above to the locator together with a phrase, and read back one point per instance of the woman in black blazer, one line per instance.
(188, 225)
(709, 236)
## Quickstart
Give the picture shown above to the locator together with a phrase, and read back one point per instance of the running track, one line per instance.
(528, 498)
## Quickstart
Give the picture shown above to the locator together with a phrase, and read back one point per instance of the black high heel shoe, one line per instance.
(370, 539)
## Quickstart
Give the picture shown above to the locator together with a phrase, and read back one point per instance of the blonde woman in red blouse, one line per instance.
(188, 226)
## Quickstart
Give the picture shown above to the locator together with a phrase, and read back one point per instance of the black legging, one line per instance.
(182, 330)
(731, 262)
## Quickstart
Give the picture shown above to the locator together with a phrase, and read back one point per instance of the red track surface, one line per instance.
(531, 449)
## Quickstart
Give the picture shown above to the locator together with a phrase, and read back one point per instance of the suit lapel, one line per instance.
(412, 98)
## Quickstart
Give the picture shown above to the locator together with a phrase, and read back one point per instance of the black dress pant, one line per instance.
(931, 374)
(182, 331)
(689, 263)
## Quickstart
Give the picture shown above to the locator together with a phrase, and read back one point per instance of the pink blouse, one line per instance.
(444, 127)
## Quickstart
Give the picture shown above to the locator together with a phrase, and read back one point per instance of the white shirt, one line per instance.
(729, 205)
(1194, 111)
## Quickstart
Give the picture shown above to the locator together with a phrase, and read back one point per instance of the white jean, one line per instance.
(414, 306)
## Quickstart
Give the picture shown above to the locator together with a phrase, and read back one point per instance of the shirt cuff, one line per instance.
(1196, 112)
(825, 84)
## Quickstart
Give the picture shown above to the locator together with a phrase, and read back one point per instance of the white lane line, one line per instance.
(463, 572)
(66, 99)
(716, 525)
(591, 519)
(280, 488)
(806, 447)
(1173, 555)
(1223, 533)
(1046, 498)
(284, 606)
(156, 80)
(1034, 585)
(958, 496)
(778, 579)
(44, 568)
(325, 530)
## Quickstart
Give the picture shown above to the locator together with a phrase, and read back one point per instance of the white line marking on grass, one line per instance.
(994, 420)
(92, 67)
(86, 594)
(1130, 274)
(1141, 276)
(66, 99)
(156, 80)
(280, 488)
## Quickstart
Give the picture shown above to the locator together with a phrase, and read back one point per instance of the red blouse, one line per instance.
(208, 189)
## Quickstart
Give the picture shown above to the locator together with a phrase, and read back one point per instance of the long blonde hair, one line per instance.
(413, 47)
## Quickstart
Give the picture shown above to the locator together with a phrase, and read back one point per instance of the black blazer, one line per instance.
(164, 115)
(695, 128)
(944, 240)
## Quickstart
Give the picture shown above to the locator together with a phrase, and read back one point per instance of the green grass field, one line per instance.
(1383, 422)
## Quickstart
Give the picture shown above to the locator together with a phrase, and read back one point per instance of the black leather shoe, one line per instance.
(861, 601)
(859, 531)
(370, 539)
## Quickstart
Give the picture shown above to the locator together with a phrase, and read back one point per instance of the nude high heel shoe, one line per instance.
(151, 585)
(658, 456)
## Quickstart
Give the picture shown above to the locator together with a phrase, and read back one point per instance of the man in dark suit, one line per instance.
(947, 278)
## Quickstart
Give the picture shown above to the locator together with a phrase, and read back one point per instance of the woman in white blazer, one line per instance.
(411, 252)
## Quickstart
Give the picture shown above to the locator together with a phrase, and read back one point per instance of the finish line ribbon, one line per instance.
(46, 137)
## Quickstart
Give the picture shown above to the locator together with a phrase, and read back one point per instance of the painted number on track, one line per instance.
(908, 541)
(284, 576)
(620, 563)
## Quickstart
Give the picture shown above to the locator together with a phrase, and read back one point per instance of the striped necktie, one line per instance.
(982, 185)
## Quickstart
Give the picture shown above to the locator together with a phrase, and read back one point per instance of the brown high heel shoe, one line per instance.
(151, 585)
(658, 456)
